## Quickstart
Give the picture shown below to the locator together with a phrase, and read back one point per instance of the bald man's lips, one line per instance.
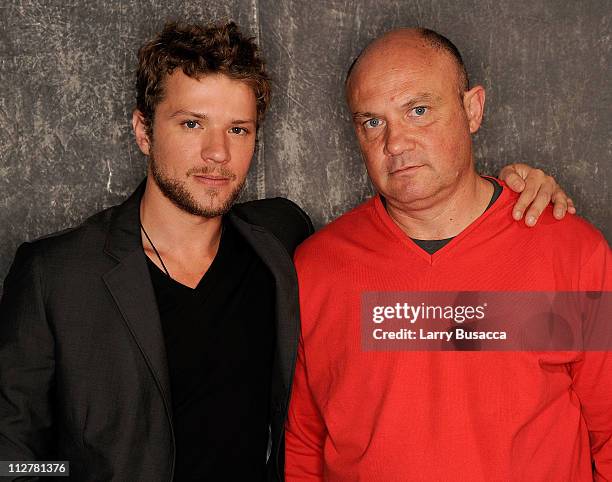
(406, 169)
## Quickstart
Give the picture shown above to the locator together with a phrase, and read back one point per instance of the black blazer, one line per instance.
(83, 370)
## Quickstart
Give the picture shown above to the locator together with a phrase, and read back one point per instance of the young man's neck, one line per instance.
(446, 215)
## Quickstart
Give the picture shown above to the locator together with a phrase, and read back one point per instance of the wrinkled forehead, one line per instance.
(397, 61)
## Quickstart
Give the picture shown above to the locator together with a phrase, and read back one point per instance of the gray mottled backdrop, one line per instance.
(66, 77)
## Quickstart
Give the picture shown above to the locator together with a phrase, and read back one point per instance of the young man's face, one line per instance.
(411, 124)
(202, 141)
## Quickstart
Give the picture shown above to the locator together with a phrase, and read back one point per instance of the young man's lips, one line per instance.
(212, 180)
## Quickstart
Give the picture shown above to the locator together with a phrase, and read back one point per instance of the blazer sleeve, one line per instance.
(305, 430)
(281, 217)
(305, 223)
(26, 362)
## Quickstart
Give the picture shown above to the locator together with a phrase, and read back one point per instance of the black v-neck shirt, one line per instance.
(220, 340)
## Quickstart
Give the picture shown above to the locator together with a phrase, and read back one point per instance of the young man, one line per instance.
(157, 340)
(437, 227)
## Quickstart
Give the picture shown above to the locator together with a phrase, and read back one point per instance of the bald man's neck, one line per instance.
(447, 214)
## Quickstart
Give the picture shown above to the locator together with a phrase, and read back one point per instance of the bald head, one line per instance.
(414, 118)
(398, 41)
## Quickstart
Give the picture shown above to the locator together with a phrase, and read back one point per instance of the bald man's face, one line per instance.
(412, 124)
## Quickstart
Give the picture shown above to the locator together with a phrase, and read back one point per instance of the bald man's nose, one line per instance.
(399, 139)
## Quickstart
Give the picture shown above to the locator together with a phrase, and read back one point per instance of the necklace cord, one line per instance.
(155, 250)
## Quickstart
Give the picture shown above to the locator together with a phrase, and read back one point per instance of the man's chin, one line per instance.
(210, 205)
(214, 202)
(409, 195)
(213, 210)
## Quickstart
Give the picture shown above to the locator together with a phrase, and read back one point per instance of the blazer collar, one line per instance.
(124, 231)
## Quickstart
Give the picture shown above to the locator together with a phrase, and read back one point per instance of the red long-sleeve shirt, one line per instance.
(390, 416)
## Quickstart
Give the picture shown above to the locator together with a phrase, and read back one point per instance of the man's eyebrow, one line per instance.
(245, 121)
(197, 115)
(201, 115)
(363, 115)
(420, 97)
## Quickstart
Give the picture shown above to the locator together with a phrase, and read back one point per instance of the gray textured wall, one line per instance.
(66, 96)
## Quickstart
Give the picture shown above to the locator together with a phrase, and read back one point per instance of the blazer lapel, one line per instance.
(130, 286)
(276, 258)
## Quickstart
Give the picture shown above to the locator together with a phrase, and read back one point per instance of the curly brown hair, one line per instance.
(198, 50)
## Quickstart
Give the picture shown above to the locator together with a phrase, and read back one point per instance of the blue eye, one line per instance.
(420, 110)
(373, 123)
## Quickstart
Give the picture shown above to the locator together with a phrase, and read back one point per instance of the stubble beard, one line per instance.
(176, 191)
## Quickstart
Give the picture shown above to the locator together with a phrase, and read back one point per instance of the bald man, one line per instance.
(387, 414)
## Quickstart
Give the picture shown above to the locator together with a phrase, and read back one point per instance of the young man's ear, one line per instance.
(473, 104)
(140, 132)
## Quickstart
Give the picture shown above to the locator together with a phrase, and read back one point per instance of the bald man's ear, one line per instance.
(473, 104)
(140, 132)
